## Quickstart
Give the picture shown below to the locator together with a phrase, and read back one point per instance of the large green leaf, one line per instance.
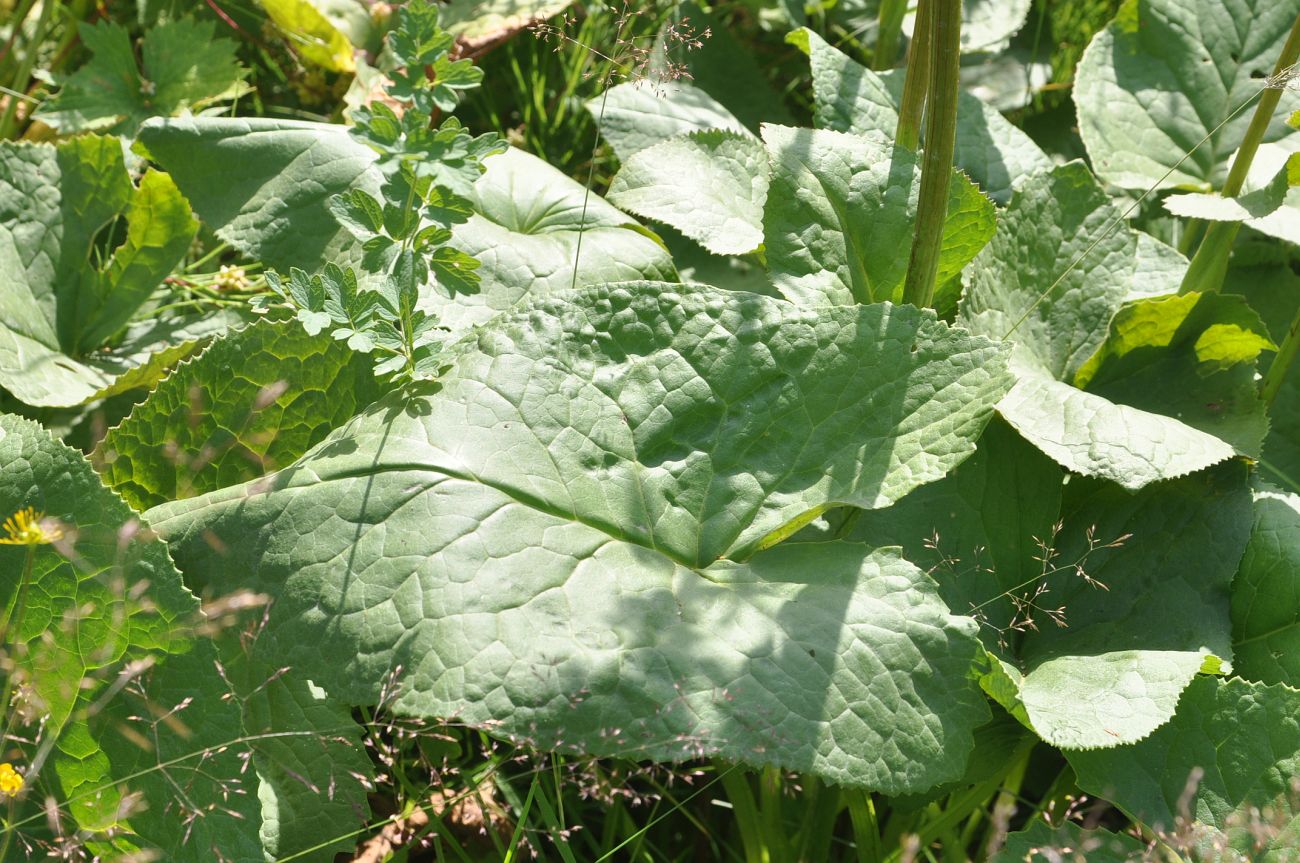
(565, 542)
(1054, 280)
(1228, 759)
(1108, 663)
(252, 402)
(1055, 271)
(632, 116)
(710, 185)
(107, 639)
(537, 231)
(1266, 593)
(1167, 73)
(848, 97)
(1151, 612)
(841, 212)
(264, 187)
(979, 530)
(61, 303)
(101, 596)
(184, 68)
(1191, 357)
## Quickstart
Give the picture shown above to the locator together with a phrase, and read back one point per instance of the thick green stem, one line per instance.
(936, 163)
(1210, 264)
(889, 33)
(1281, 363)
(917, 82)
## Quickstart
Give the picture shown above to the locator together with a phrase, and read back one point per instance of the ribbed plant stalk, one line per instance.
(889, 33)
(917, 80)
(1210, 263)
(940, 140)
(1281, 363)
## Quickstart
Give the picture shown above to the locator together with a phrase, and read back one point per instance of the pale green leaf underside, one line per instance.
(538, 544)
(710, 185)
(1091, 435)
(1238, 741)
(1266, 593)
(636, 115)
(1164, 74)
(840, 216)
(1092, 702)
(851, 98)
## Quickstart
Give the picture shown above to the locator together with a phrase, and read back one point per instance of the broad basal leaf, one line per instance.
(1228, 759)
(1266, 593)
(711, 186)
(848, 97)
(633, 116)
(222, 426)
(1142, 583)
(102, 595)
(1208, 341)
(565, 541)
(1055, 271)
(1096, 623)
(1058, 270)
(264, 187)
(529, 218)
(977, 531)
(184, 68)
(841, 213)
(105, 638)
(1165, 74)
(60, 304)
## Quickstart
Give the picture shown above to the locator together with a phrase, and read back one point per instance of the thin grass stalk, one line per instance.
(917, 81)
(23, 74)
(889, 33)
(936, 162)
(1210, 263)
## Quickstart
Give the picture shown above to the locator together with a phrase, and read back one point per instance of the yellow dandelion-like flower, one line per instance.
(27, 527)
(11, 781)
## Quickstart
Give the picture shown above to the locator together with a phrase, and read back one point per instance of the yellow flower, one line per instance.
(27, 527)
(11, 781)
